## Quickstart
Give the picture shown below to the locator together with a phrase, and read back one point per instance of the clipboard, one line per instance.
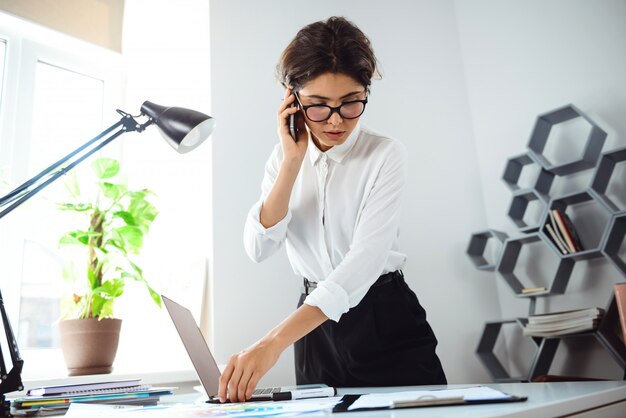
(425, 399)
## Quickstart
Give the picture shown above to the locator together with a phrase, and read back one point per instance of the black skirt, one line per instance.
(383, 341)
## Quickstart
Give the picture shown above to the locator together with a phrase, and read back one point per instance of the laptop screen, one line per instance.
(196, 346)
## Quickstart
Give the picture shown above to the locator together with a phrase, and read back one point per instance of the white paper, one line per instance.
(385, 400)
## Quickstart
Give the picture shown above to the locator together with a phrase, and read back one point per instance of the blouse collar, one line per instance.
(338, 152)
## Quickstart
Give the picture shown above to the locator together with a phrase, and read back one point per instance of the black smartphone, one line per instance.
(292, 126)
(293, 121)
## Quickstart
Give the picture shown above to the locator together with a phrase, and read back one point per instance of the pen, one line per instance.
(304, 394)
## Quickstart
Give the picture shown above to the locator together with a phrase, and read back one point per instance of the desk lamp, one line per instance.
(183, 129)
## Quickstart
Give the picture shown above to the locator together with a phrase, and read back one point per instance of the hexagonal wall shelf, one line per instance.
(508, 260)
(603, 177)
(541, 362)
(596, 213)
(608, 333)
(519, 208)
(614, 241)
(541, 134)
(513, 171)
(592, 246)
(478, 244)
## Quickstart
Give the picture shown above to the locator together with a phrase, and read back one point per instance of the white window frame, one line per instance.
(28, 44)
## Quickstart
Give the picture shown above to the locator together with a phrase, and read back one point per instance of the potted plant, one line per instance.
(116, 222)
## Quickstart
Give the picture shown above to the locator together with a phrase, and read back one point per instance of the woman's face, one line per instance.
(331, 89)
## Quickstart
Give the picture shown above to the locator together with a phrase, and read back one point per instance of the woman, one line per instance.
(333, 197)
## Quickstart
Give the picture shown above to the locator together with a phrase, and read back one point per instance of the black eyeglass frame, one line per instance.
(336, 109)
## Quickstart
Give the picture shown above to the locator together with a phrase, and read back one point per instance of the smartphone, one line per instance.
(292, 126)
(293, 122)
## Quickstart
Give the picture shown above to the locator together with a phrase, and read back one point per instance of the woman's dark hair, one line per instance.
(335, 45)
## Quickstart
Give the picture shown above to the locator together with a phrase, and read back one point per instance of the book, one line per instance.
(560, 332)
(147, 396)
(620, 301)
(565, 315)
(530, 290)
(83, 387)
(570, 227)
(555, 228)
(563, 323)
(556, 239)
(564, 231)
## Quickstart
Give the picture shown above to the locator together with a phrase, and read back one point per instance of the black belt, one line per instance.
(310, 286)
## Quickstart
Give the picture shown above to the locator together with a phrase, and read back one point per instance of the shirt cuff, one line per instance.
(276, 232)
(331, 298)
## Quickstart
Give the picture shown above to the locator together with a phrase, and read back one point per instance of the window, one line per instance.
(60, 93)
(66, 107)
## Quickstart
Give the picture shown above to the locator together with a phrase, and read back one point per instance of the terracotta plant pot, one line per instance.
(89, 345)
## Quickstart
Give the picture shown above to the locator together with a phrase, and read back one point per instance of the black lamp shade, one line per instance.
(184, 129)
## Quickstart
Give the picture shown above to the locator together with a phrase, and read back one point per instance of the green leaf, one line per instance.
(106, 167)
(126, 275)
(97, 303)
(131, 236)
(92, 278)
(136, 268)
(143, 212)
(113, 288)
(127, 217)
(106, 311)
(112, 191)
(78, 238)
(140, 194)
(71, 185)
(76, 207)
(116, 243)
(155, 296)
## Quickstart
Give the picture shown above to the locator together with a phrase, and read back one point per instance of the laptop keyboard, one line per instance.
(265, 391)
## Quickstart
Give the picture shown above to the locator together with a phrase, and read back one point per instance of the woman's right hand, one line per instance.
(293, 150)
(276, 204)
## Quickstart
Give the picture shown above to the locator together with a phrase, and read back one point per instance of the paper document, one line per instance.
(246, 409)
(394, 399)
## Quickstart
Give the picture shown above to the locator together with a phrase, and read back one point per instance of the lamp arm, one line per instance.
(13, 194)
(34, 185)
(12, 380)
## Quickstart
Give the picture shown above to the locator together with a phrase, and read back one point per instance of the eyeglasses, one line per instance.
(320, 113)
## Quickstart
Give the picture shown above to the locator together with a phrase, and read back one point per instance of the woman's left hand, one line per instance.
(245, 369)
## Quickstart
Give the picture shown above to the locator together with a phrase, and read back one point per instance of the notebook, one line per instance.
(203, 361)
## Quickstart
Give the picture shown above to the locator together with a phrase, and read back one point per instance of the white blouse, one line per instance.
(341, 229)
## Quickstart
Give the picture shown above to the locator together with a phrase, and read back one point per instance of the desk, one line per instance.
(595, 399)
(600, 399)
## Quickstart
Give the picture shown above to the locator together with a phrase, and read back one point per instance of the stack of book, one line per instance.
(560, 229)
(563, 323)
(52, 400)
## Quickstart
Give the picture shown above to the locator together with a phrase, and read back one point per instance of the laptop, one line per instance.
(203, 361)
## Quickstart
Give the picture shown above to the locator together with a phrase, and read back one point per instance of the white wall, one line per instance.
(524, 58)
(421, 100)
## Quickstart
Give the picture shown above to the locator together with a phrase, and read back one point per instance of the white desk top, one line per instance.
(544, 400)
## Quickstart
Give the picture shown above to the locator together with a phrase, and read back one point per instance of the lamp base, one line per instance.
(5, 407)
